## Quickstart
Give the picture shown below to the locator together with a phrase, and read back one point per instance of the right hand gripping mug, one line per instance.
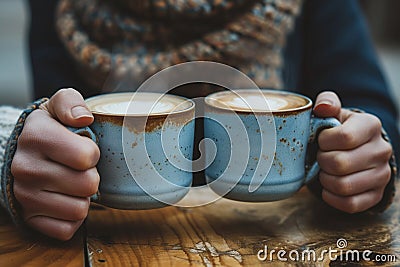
(259, 143)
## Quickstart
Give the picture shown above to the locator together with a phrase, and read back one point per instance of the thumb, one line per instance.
(327, 105)
(68, 107)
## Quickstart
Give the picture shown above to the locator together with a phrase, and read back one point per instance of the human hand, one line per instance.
(354, 158)
(54, 169)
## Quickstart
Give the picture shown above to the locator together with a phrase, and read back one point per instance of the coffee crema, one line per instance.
(257, 100)
(137, 104)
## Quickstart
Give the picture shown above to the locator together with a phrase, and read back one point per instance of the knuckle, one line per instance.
(339, 164)
(374, 121)
(383, 151)
(347, 137)
(19, 167)
(379, 195)
(351, 205)
(19, 193)
(88, 155)
(386, 174)
(26, 139)
(66, 231)
(26, 170)
(34, 117)
(387, 150)
(80, 211)
(90, 182)
(22, 196)
(27, 133)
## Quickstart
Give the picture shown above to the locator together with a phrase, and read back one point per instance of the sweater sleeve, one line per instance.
(8, 119)
(339, 56)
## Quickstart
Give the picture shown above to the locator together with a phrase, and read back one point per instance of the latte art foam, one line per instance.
(257, 103)
(135, 107)
(137, 104)
(253, 100)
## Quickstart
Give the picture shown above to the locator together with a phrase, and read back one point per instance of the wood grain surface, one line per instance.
(23, 249)
(231, 233)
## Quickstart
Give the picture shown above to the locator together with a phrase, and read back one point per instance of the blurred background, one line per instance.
(14, 65)
(15, 80)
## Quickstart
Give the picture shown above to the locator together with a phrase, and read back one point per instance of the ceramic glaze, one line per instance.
(135, 170)
(281, 170)
(142, 154)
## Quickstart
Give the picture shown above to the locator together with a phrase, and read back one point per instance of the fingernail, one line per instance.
(323, 103)
(80, 112)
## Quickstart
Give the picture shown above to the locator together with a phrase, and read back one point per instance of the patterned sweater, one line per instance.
(8, 119)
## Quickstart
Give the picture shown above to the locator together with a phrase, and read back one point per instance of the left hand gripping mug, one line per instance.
(137, 170)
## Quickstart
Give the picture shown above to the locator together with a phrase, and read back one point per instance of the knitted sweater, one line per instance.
(105, 40)
(8, 119)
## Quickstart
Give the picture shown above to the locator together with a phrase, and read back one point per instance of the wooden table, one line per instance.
(224, 233)
(29, 249)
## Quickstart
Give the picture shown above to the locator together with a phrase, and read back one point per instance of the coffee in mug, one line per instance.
(250, 100)
(137, 171)
(260, 140)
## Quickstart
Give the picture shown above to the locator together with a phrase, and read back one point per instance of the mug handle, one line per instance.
(87, 132)
(317, 125)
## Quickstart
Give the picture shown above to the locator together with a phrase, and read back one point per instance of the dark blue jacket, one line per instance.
(330, 49)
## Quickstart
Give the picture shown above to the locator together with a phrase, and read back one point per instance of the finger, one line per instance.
(59, 144)
(59, 229)
(51, 204)
(77, 184)
(356, 183)
(69, 107)
(54, 177)
(353, 204)
(357, 129)
(327, 104)
(365, 157)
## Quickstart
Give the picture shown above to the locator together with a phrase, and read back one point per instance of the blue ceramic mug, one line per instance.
(259, 143)
(136, 170)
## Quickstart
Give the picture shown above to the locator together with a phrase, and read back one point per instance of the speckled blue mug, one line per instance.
(136, 170)
(259, 143)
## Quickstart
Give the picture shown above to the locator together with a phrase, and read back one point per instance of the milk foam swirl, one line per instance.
(255, 100)
(137, 104)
